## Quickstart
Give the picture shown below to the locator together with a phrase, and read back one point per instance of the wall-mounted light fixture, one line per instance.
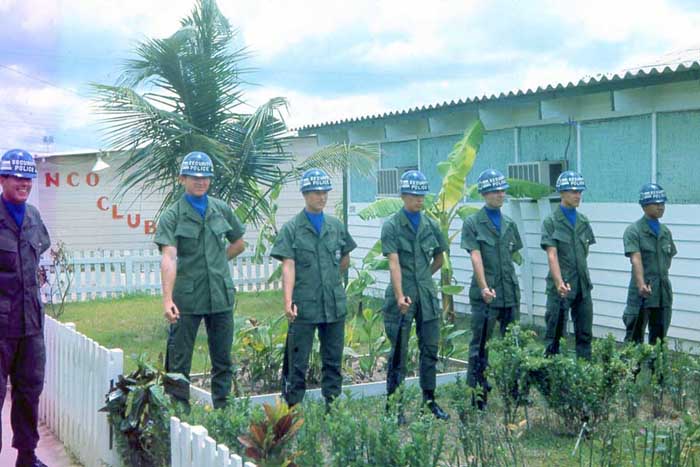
(99, 164)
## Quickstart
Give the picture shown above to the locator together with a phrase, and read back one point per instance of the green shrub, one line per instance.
(583, 391)
(510, 359)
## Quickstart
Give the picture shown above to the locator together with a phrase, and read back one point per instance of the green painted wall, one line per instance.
(363, 189)
(616, 158)
(678, 155)
(434, 150)
(497, 151)
(401, 154)
(548, 143)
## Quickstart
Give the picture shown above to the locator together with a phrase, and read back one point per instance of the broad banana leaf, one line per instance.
(517, 258)
(373, 253)
(381, 208)
(465, 211)
(451, 289)
(472, 192)
(518, 189)
(461, 161)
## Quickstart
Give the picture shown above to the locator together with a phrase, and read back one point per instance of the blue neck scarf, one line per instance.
(414, 218)
(570, 214)
(495, 216)
(316, 220)
(16, 211)
(654, 225)
(199, 203)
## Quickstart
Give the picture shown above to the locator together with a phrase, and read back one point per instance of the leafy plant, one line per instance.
(449, 345)
(261, 352)
(372, 338)
(138, 410)
(225, 425)
(269, 439)
(582, 391)
(310, 439)
(510, 360)
(482, 443)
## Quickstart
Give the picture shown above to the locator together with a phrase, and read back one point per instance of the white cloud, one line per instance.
(28, 112)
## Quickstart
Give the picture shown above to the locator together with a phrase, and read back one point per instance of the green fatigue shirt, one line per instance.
(479, 234)
(416, 251)
(203, 283)
(572, 246)
(656, 259)
(318, 286)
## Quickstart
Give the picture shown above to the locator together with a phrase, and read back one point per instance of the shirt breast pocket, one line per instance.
(219, 227)
(8, 254)
(187, 236)
(335, 248)
(429, 245)
(586, 242)
(485, 241)
(304, 254)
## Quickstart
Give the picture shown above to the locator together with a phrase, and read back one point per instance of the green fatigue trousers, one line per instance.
(483, 315)
(300, 338)
(220, 337)
(428, 333)
(581, 314)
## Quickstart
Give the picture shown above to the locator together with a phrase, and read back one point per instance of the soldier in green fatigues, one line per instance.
(197, 237)
(566, 237)
(491, 238)
(414, 246)
(650, 248)
(314, 250)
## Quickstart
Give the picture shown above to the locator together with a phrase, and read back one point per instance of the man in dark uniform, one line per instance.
(315, 250)
(23, 238)
(566, 237)
(197, 237)
(649, 246)
(414, 245)
(491, 238)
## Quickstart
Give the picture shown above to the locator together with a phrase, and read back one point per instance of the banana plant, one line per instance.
(446, 207)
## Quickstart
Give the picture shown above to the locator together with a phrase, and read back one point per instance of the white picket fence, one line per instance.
(191, 446)
(79, 372)
(112, 273)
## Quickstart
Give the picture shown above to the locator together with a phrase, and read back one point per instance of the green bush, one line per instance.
(510, 360)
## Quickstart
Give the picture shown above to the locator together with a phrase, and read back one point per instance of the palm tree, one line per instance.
(192, 99)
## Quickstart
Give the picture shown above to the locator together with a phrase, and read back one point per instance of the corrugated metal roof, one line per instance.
(589, 81)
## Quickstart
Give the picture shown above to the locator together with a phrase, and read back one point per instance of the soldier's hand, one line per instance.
(645, 290)
(291, 311)
(488, 294)
(404, 304)
(171, 312)
(564, 288)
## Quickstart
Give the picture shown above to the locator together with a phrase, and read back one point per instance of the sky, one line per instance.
(331, 59)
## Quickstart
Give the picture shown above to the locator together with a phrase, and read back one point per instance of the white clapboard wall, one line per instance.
(610, 269)
(82, 209)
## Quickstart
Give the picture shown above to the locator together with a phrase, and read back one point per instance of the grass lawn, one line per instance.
(136, 325)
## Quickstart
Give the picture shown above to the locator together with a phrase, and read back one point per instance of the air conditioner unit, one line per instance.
(545, 172)
(387, 182)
